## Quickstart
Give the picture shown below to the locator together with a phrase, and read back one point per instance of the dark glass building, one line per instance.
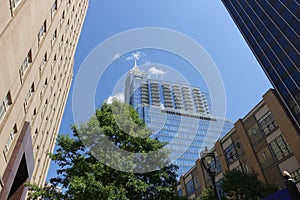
(272, 30)
(177, 114)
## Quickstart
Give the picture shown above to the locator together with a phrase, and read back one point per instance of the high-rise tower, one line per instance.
(177, 114)
(38, 40)
(272, 30)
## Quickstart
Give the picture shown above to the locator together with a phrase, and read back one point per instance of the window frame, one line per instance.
(5, 104)
(42, 32)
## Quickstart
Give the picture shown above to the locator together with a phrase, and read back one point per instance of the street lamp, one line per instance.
(207, 159)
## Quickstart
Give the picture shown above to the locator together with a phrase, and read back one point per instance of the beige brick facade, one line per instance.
(265, 141)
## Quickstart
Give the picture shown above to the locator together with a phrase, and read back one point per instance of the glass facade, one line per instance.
(178, 115)
(272, 30)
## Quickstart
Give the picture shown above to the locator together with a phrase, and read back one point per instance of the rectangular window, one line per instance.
(230, 154)
(190, 187)
(29, 95)
(54, 8)
(44, 109)
(54, 36)
(5, 105)
(61, 41)
(42, 31)
(62, 17)
(44, 60)
(180, 193)
(264, 155)
(296, 175)
(60, 61)
(280, 148)
(216, 165)
(53, 62)
(267, 123)
(25, 64)
(10, 140)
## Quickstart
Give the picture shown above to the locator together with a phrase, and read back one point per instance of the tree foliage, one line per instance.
(207, 194)
(241, 185)
(82, 176)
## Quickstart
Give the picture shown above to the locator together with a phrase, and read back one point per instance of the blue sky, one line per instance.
(206, 21)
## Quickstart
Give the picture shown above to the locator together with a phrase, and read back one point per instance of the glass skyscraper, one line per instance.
(176, 114)
(272, 30)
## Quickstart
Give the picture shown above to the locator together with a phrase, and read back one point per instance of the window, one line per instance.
(10, 139)
(66, 45)
(43, 89)
(54, 60)
(62, 17)
(15, 3)
(296, 175)
(54, 36)
(25, 64)
(44, 60)
(42, 32)
(264, 155)
(230, 154)
(44, 108)
(254, 131)
(267, 123)
(216, 165)
(180, 193)
(5, 105)
(54, 8)
(280, 148)
(29, 95)
(190, 187)
(60, 61)
(61, 41)
(237, 144)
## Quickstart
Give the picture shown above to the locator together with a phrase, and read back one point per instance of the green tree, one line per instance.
(207, 194)
(241, 185)
(83, 176)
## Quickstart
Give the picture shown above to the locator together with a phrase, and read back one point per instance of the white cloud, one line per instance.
(135, 55)
(155, 71)
(117, 56)
(118, 96)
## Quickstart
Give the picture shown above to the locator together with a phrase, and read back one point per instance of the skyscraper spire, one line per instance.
(135, 67)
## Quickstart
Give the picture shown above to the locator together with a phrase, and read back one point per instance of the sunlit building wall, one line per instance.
(264, 142)
(38, 40)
